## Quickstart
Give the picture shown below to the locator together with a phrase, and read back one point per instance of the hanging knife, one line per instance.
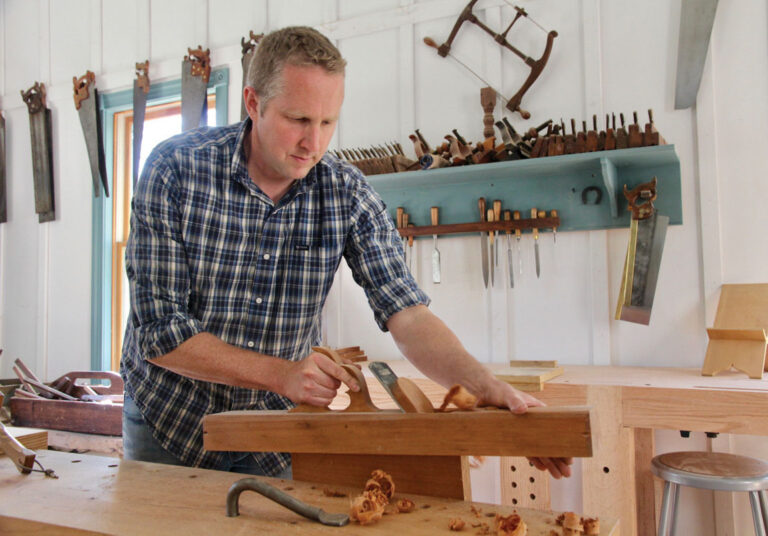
(510, 268)
(534, 214)
(496, 217)
(553, 214)
(406, 218)
(493, 246)
(518, 236)
(399, 223)
(434, 214)
(483, 241)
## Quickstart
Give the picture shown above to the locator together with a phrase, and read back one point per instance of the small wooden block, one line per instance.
(530, 378)
(533, 363)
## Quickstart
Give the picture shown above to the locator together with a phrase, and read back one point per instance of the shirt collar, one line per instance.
(239, 167)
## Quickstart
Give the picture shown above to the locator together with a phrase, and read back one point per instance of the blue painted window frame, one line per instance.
(101, 242)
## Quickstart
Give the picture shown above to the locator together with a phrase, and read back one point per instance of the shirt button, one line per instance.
(266, 256)
(251, 344)
(259, 300)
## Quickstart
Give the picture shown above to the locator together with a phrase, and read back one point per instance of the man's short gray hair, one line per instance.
(294, 45)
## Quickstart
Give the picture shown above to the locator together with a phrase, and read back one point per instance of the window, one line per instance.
(110, 302)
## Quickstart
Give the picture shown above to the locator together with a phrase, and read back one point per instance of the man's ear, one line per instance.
(251, 100)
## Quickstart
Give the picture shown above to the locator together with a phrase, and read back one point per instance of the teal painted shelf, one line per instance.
(554, 182)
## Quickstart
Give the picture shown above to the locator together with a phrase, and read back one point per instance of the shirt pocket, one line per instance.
(311, 267)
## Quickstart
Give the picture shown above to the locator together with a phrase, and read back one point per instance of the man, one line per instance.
(236, 234)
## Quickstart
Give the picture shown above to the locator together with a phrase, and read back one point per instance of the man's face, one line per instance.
(291, 133)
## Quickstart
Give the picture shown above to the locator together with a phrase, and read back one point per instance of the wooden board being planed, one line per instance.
(556, 432)
(119, 497)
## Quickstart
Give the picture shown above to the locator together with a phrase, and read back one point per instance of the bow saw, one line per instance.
(537, 66)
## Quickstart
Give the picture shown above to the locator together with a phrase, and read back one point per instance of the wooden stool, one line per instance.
(716, 471)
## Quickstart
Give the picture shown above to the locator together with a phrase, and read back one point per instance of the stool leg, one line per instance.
(764, 504)
(757, 516)
(676, 501)
(665, 508)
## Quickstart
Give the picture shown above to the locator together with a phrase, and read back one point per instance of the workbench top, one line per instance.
(101, 495)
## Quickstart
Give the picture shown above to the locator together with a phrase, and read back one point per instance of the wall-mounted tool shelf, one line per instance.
(554, 182)
(479, 227)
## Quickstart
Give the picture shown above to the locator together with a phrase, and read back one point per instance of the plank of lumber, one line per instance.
(556, 432)
(32, 438)
(122, 497)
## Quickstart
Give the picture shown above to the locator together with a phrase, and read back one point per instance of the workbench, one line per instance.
(103, 495)
(627, 403)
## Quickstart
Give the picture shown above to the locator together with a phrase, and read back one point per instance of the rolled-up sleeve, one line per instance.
(156, 264)
(375, 254)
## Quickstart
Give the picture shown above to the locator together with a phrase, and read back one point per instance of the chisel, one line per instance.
(483, 241)
(510, 269)
(399, 223)
(553, 214)
(496, 217)
(534, 215)
(410, 242)
(518, 236)
(491, 218)
(434, 214)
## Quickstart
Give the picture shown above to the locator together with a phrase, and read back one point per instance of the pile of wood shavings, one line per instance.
(375, 500)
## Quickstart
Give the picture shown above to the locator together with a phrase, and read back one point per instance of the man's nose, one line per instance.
(312, 139)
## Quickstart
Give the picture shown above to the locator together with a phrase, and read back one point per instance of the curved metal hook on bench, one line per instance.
(280, 497)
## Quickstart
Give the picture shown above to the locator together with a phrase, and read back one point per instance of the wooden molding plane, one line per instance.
(424, 450)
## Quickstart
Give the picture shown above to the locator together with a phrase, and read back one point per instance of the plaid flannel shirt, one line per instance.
(210, 252)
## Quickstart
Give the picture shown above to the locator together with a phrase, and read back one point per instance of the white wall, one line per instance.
(610, 56)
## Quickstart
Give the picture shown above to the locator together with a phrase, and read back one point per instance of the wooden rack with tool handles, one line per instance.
(424, 451)
(407, 229)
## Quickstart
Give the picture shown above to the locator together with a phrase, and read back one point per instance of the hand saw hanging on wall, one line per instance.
(249, 49)
(42, 151)
(536, 65)
(195, 72)
(647, 231)
(87, 104)
(140, 90)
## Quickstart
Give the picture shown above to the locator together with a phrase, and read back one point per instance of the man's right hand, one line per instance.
(315, 379)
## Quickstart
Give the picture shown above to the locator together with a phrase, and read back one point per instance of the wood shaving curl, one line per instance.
(456, 524)
(366, 509)
(328, 492)
(459, 397)
(575, 525)
(405, 506)
(385, 482)
(511, 525)
(591, 526)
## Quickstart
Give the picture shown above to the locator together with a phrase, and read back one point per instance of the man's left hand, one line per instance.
(503, 395)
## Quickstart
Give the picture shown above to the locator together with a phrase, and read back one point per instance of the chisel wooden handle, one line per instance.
(534, 215)
(516, 216)
(490, 219)
(497, 210)
(481, 207)
(553, 214)
(434, 215)
(399, 220)
(508, 217)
